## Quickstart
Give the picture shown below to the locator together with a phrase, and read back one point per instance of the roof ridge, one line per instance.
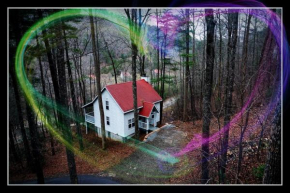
(124, 83)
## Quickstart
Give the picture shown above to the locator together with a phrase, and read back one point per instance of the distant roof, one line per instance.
(123, 94)
(156, 71)
(92, 76)
(126, 73)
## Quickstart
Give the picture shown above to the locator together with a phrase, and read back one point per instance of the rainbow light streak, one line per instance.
(32, 94)
(274, 24)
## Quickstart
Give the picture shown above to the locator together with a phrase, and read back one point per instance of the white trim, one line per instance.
(143, 106)
(157, 101)
(150, 112)
(93, 101)
(142, 116)
(132, 110)
(155, 108)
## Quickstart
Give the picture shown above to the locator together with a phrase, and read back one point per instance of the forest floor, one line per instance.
(94, 160)
(252, 164)
(142, 165)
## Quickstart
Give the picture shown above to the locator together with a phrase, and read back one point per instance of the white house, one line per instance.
(119, 111)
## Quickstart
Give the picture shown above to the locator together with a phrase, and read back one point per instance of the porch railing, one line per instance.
(142, 125)
(89, 117)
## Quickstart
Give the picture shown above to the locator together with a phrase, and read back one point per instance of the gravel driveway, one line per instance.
(144, 166)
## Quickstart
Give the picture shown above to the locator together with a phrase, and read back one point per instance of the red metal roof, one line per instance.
(123, 94)
(146, 110)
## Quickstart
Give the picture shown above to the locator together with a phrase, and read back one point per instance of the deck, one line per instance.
(89, 117)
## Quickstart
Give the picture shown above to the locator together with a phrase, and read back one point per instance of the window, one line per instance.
(131, 123)
(108, 120)
(152, 116)
(107, 105)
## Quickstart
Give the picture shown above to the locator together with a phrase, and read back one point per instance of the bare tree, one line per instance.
(135, 30)
(232, 42)
(272, 174)
(98, 79)
(210, 23)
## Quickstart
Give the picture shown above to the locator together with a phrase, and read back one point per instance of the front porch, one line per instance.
(150, 127)
(148, 124)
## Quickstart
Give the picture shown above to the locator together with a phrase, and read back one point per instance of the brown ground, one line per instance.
(117, 154)
(249, 162)
(98, 159)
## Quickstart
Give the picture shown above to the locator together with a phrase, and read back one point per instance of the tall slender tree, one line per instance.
(98, 80)
(230, 66)
(17, 32)
(207, 92)
(187, 73)
(64, 104)
(72, 90)
(272, 173)
(35, 144)
(192, 76)
(135, 32)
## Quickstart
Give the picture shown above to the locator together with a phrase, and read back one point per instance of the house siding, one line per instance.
(157, 105)
(128, 131)
(115, 114)
(118, 128)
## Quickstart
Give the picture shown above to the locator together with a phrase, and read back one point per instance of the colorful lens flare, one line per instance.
(170, 156)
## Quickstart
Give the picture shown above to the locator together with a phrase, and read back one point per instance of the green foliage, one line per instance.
(185, 55)
(258, 172)
(77, 50)
(154, 80)
(167, 60)
(107, 69)
(174, 68)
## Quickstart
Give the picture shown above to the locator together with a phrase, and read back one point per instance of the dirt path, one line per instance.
(144, 166)
(169, 102)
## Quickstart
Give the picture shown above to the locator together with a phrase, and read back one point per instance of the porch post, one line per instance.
(147, 120)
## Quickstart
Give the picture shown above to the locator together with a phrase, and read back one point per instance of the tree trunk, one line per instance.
(64, 102)
(192, 88)
(162, 79)
(243, 130)
(72, 92)
(220, 76)
(232, 41)
(207, 93)
(272, 173)
(186, 68)
(157, 34)
(44, 94)
(112, 60)
(36, 147)
(12, 143)
(98, 79)
(91, 93)
(20, 118)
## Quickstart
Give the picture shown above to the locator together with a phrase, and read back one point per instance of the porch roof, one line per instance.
(147, 109)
